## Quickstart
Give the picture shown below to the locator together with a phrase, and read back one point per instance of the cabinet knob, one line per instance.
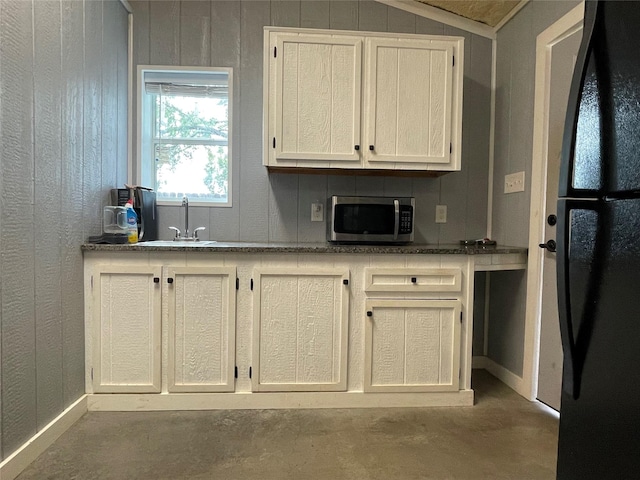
(345, 281)
(369, 313)
(370, 147)
(156, 279)
(357, 147)
(414, 279)
(169, 280)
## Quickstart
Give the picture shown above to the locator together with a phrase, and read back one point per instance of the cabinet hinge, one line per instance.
(250, 372)
(275, 52)
(274, 142)
(252, 284)
(236, 372)
(237, 288)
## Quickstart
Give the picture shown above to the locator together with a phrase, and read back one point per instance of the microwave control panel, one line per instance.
(406, 219)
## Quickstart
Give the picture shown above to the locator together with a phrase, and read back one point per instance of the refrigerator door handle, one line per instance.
(564, 310)
(575, 97)
(575, 344)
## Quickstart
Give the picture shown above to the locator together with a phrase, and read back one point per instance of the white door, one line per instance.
(550, 364)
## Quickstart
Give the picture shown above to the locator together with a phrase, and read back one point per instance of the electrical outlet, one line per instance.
(441, 214)
(317, 212)
(514, 182)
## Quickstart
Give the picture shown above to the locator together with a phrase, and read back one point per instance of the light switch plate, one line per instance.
(317, 212)
(441, 214)
(514, 182)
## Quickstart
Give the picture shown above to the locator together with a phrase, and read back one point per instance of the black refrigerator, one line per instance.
(598, 255)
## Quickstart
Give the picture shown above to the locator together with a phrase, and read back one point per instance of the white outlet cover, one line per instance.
(514, 182)
(317, 212)
(441, 214)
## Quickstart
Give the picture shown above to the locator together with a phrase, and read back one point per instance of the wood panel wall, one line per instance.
(515, 76)
(277, 207)
(63, 97)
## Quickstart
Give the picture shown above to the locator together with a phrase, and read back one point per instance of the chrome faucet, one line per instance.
(185, 204)
(186, 236)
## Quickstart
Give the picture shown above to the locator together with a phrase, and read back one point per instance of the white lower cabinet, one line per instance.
(300, 329)
(207, 330)
(126, 329)
(127, 319)
(202, 314)
(412, 345)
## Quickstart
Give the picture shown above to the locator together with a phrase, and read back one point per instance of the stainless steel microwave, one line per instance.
(370, 219)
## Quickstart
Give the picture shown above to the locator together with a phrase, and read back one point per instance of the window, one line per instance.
(183, 134)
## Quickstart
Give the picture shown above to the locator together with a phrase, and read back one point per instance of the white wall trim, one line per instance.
(238, 401)
(565, 26)
(130, 105)
(510, 15)
(501, 373)
(127, 6)
(15, 463)
(492, 135)
(479, 362)
(442, 16)
(453, 20)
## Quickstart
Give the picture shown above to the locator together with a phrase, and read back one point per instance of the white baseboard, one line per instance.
(15, 463)
(505, 376)
(479, 362)
(129, 402)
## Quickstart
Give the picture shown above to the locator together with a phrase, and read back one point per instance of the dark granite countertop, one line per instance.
(249, 247)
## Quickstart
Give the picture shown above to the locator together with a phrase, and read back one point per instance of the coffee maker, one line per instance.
(144, 203)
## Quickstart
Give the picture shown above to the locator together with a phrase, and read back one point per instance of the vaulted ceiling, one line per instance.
(489, 12)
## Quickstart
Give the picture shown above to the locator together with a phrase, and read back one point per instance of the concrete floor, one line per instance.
(502, 437)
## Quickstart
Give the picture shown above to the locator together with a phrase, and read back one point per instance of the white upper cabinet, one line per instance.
(409, 93)
(362, 100)
(317, 99)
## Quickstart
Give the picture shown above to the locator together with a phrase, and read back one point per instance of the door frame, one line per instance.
(558, 31)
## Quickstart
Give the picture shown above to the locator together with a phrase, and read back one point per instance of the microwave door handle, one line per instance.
(396, 223)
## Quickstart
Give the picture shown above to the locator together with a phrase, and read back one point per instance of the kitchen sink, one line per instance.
(176, 243)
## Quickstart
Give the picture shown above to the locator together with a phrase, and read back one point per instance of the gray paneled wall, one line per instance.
(63, 99)
(277, 207)
(515, 91)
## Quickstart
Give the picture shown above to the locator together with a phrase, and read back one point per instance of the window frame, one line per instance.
(146, 175)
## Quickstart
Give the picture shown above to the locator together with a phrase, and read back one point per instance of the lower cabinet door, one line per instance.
(300, 329)
(412, 345)
(126, 332)
(202, 313)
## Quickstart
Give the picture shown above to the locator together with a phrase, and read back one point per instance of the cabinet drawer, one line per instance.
(407, 280)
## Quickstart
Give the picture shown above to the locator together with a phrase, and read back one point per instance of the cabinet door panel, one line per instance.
(317, 99)
(409, 101)
(201, 329)
(300, 330)
(412, 345)
(127, 321)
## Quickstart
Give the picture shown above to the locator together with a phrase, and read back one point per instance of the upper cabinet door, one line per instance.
(315, 112)
(409, 103)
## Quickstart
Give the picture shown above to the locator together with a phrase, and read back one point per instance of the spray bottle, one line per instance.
(132, 222)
